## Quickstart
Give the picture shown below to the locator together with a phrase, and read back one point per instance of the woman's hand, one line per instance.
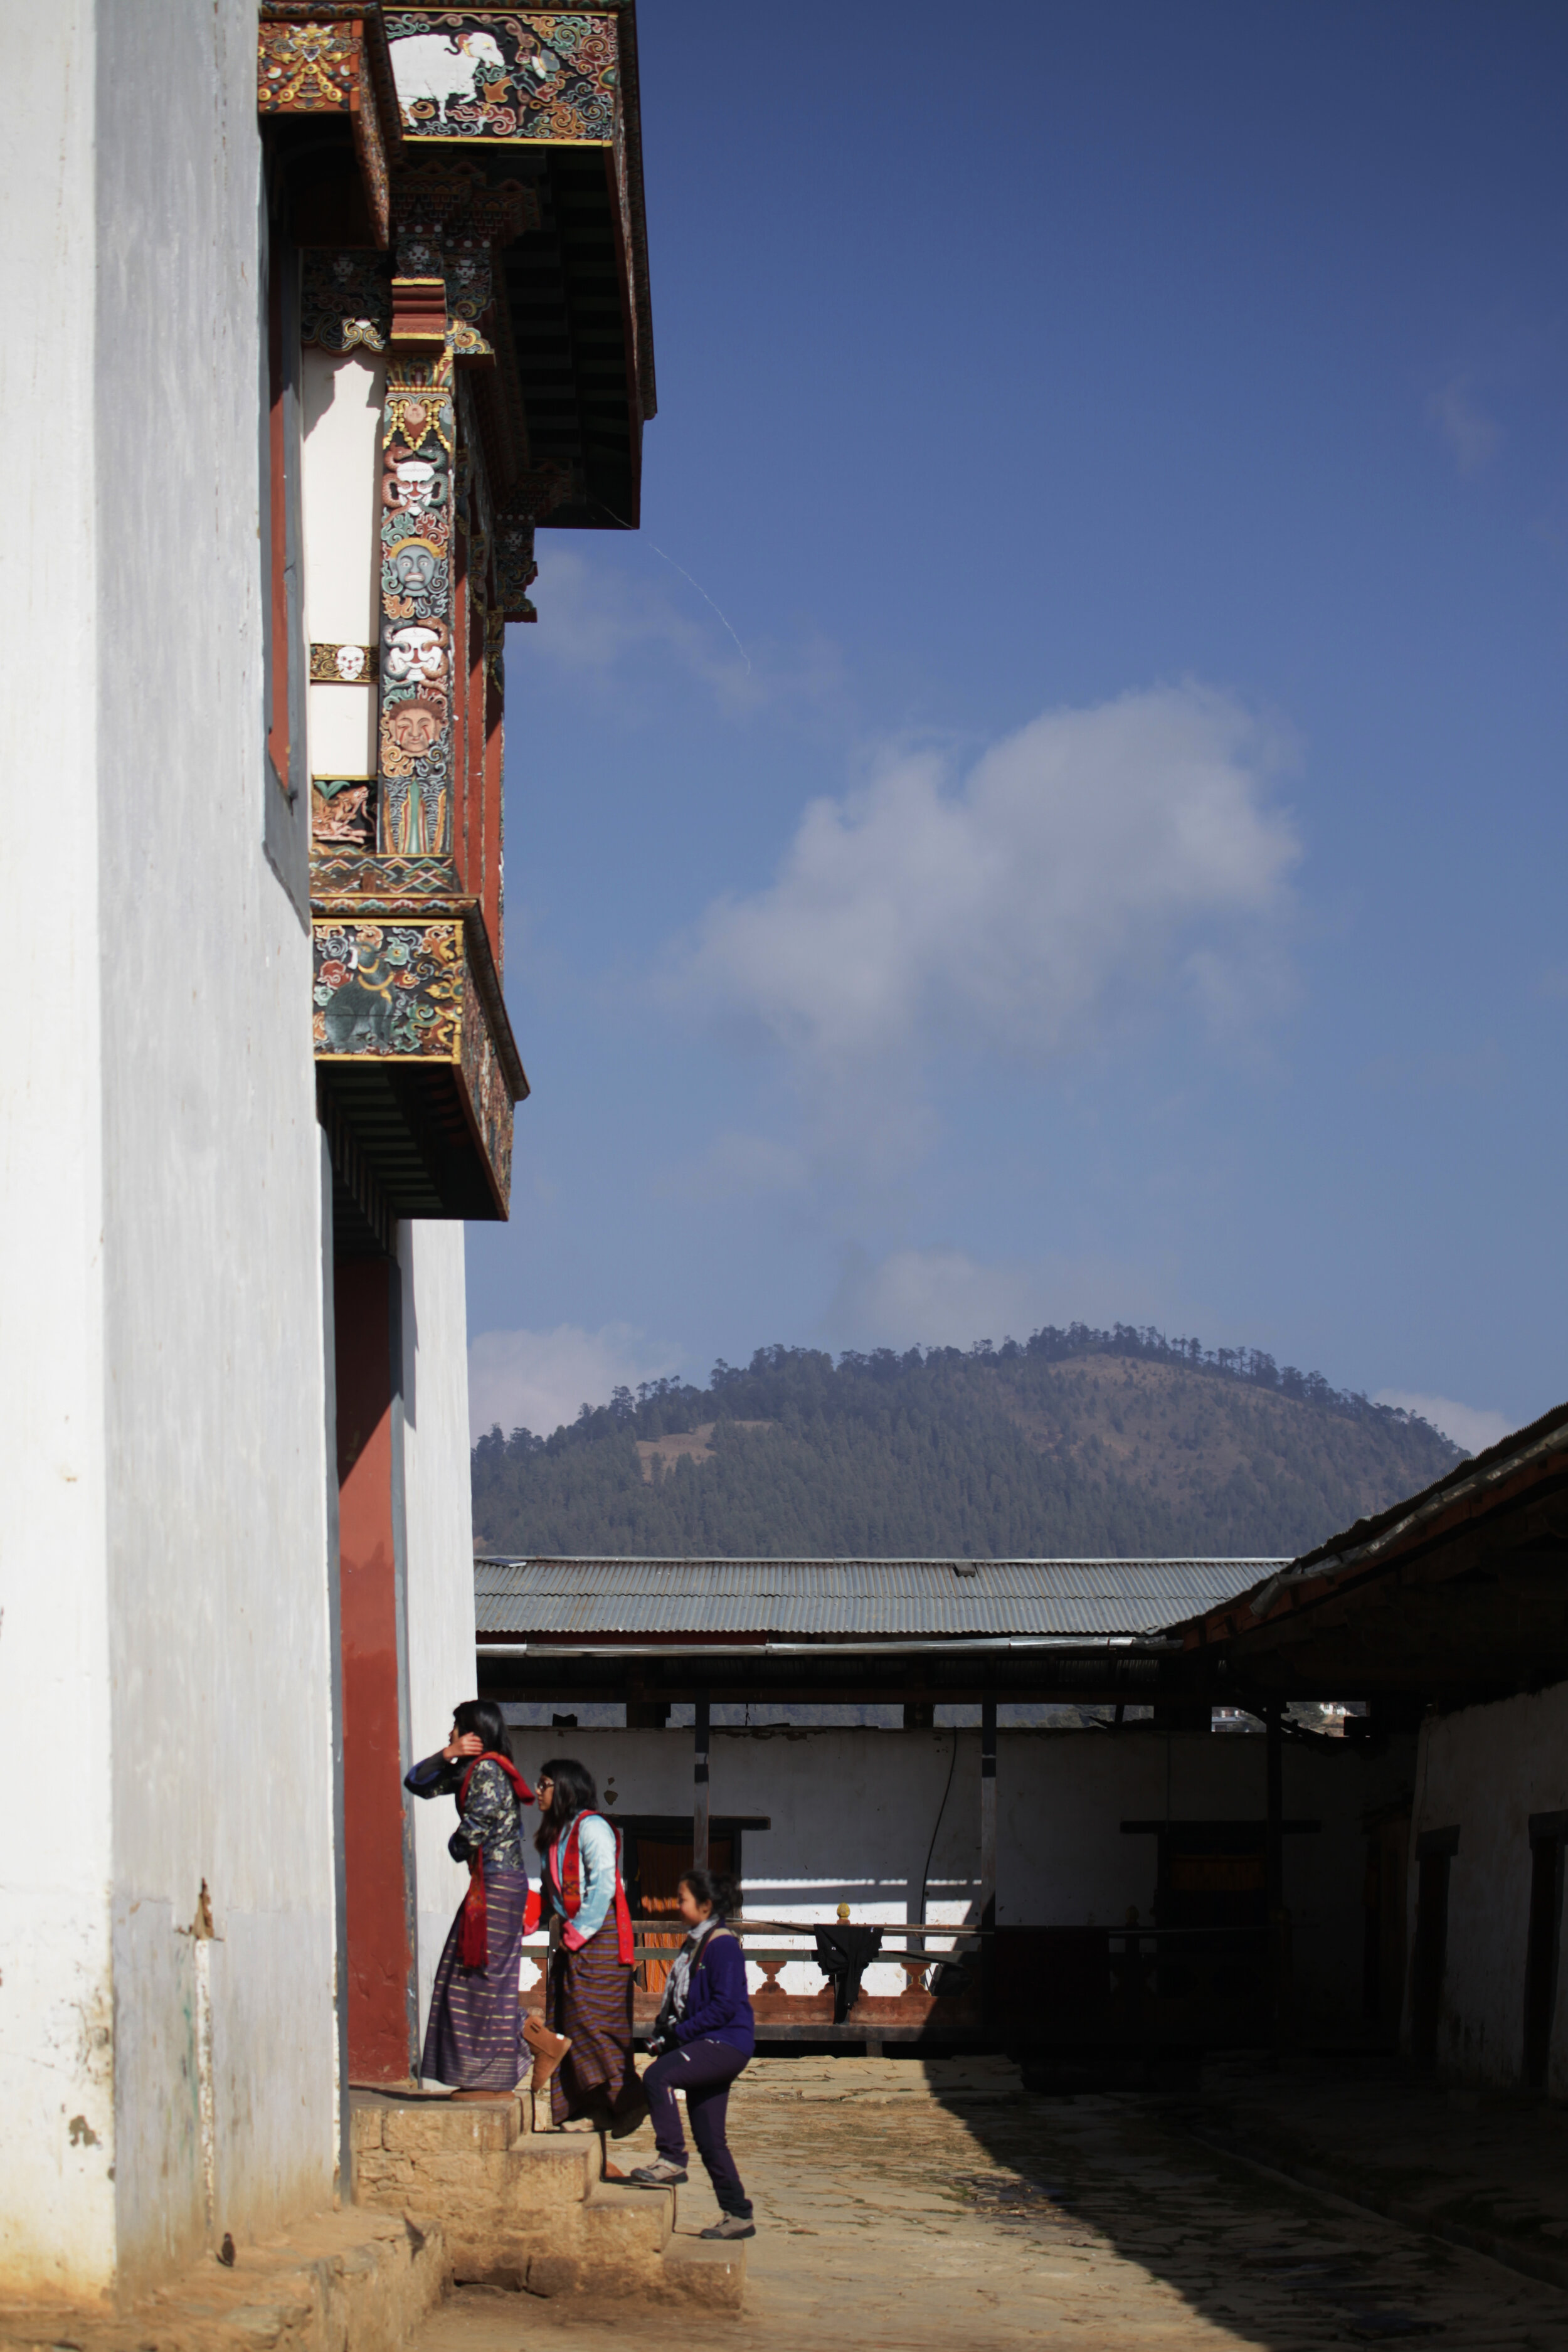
(466, 1743)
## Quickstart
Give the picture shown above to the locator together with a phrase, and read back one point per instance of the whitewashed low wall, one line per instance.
(853, 1814)
(1484, 1770)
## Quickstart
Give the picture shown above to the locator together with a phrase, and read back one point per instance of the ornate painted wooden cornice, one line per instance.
(334, 59)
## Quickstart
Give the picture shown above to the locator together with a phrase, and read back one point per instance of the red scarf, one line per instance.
(474, 1941)
(566, 1869)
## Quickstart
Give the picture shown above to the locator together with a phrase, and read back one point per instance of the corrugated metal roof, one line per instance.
(530, 1598)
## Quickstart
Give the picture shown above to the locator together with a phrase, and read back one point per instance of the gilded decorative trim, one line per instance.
(316, 63)
(343, 665)
(411, 881)
(306, 68)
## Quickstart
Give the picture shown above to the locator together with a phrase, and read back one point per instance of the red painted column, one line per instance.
(379, 1959)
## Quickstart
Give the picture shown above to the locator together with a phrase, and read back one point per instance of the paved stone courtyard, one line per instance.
(900, 2206)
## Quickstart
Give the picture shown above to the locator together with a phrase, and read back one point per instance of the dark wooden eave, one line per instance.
(1458, 1594)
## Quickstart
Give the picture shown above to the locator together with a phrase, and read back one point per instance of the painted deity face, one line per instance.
(413, 726)
(414, 569)
(417, 487)
(351, 664)
(414, 656)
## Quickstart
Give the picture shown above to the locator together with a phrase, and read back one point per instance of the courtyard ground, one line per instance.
(902, 2205)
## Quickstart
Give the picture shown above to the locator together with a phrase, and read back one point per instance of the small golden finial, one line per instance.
(843, 1911)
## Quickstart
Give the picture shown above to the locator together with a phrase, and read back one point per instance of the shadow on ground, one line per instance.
(1257, 2256)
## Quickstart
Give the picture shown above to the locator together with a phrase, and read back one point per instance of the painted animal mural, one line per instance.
(443, 70)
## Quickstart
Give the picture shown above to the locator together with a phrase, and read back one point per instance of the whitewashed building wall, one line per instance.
(1484, 1770)
(164, 1653)
(853, 1813)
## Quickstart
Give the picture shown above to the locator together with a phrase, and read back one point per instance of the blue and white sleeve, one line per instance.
(597, 1855)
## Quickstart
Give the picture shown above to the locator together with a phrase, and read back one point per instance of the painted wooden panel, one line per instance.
(513, 76)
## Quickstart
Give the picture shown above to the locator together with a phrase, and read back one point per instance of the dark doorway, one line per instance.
(1543, 1943)
(1385, 1896)
(1434, 1852)
(655, 1857)
(661, 1864)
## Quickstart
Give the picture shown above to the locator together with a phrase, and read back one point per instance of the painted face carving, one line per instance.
(416, 655)
(414, 569)
(351, 664)
(416, 485)
(413, 726)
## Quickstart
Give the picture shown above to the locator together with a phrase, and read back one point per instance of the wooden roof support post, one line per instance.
(988, 1812)
(1274, 1869)
(700, 1788)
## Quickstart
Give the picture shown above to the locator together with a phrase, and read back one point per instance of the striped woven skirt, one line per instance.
(591, 2000)
(473, 2040)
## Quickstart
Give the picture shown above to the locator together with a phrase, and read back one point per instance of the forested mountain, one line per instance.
(1093, 1444)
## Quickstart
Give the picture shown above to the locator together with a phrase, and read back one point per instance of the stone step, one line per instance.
(620, 2215)
(348, 2282)
(709, 2274)
(529, 2210)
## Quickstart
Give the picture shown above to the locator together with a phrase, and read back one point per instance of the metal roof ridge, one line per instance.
(883, 1559)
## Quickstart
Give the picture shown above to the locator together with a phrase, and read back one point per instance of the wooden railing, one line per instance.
(915, 1949)
(1044, 1987)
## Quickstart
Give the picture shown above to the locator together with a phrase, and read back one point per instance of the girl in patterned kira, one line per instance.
(472, 2039)
(591, 1971)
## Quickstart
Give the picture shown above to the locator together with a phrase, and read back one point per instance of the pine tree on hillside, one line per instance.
(1085, 1442)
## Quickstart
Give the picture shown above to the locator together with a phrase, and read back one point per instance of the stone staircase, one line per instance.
(529, 2210)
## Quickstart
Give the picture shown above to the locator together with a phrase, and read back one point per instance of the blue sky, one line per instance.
(1060, 811)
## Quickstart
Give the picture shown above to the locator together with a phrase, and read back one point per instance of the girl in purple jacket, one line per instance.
(704, 2036)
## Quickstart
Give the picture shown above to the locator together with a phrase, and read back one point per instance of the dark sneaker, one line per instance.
(659, 2174)
(734, 2225)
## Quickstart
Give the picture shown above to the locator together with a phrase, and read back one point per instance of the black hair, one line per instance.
(484, 1718)
(573, 1792)
(718, 1887)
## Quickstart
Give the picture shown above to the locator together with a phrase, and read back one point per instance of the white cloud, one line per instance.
(595, 615)
(591, 616)
(1472, 1427)
(945, 1298)
(537, 1379)
(1089, 870)
(735, 1166)
(1472, 436)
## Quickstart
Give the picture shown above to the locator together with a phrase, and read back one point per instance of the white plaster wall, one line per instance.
(165, 1641)
(212, 1319)
(1485, 1771)
(56, 2138)
(340, 403)
(853, 1813)
(440, 1527)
